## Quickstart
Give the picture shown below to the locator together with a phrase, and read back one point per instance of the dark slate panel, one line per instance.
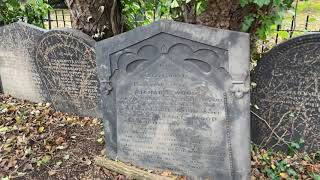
(17, 61)
(175, 96)
(67, 67)
(287, 95)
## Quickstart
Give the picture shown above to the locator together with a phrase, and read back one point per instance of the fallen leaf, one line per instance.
(44, 160)
(41, 129)
(166, 173)
(48, 147)
(59, 140)
(5, 178)
(100, 140)
(11, 164)
(86, 160)
(4, 110)
(20, 174)
(4, 129)
(103, 151)
(28, 151)
(28, 167)
(66, 157)
(58, 163)
(60, 147)
(311, 168)
(284, 175)
(52, 172)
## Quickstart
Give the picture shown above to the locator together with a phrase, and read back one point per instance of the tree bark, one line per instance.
(189, 12)
(98, 18)
(228, 14)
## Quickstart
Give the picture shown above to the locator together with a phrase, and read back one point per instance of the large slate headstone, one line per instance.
(288, 95)
(67, 67)
(175, 96)
(18, 74)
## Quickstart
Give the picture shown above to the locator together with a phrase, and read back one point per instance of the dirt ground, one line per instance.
(38, 143)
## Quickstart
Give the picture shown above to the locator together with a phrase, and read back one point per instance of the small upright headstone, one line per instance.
(287, 96)
(67, 68)
(17, 61)
(175, 96)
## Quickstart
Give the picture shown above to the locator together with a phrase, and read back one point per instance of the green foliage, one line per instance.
(275, 16)
(142, 12)
(248, 20)
(317, 156)
(277, 169)
(35, 10)
(284, 35)
(32, 12)
(294, 146)
(138, 12)
(281, 169)
(10, 11)
(315, 176)
(278, 165)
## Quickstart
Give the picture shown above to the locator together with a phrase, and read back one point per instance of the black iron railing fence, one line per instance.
(57, 18)
(291, 27)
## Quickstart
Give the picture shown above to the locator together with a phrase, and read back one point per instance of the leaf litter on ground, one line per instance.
(37, 142)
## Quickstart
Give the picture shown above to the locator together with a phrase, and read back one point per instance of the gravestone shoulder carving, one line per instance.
(287, 95)
(67, 67)
(18, 74)
(175, 96)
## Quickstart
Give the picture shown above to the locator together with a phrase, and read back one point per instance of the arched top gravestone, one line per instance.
(67, 67)
(18, 75)
(288, 95)
(175, 96)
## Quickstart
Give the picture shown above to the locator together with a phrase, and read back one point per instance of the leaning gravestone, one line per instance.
(18, 75)
(288, 95)
(67, 67)
(175, 97)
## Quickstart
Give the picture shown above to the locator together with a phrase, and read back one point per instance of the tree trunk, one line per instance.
(189, 12)
(228, 14)
(98, 18)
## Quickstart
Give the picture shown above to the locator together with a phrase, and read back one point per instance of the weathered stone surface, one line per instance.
(288, 95)
(17, 61)
(67, 68)
(175, 96)
(1, 89)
